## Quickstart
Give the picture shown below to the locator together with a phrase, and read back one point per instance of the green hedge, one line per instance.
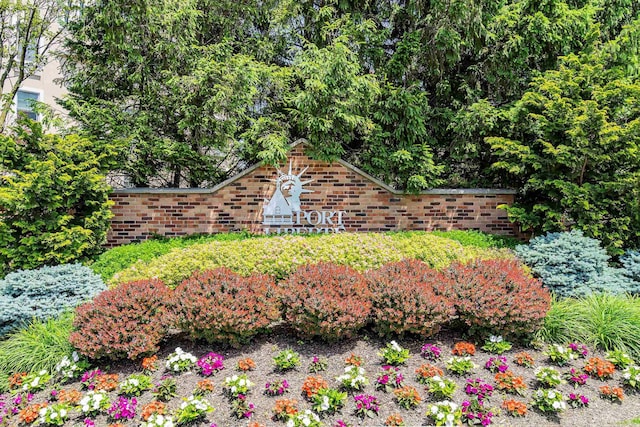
(122, 257)
(281, 255)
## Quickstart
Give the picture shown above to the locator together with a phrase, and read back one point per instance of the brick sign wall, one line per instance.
(312, 196)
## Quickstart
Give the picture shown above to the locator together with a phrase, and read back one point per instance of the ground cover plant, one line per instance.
(281, 255)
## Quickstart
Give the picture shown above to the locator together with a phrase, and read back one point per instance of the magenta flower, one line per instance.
(431, 352)
(211, 363)
(123, 408)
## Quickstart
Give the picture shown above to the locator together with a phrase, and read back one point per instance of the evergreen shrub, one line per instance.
(44, 293)
(409, 297)
(221, 306)
(128, 321)
(631, 264)
(325, 300)
(54, 199)
(571, 264)
(497, 297)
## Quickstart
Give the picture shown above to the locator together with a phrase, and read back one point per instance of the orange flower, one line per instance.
(394, 420)
(15, 380)
(205, 386)
(599, 368)
(285, 408)
(426, 371)
(613, 393)
(312, 385)
(508, 382)
(72, 396)
(515, 408)
(246, 364)
(464, 349)
(30, 413)
(149, 363)
(116, 425)
(353, 360)
(151, 408)
(255, 424)
(523, 359)
(106, 382)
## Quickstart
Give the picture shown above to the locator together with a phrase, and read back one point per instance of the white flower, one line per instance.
(495, 338)
(440, 415)
(450, 417)
(290, 423)
(551, 395)
(395, 346)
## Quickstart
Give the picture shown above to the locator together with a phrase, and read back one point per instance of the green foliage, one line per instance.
(479, 239)
(333, 105)
(400, 153)
(54, 198)
(121, 257)
(39, 346)
(573, 146)
(608, 322)
(286, 360)
(281, 255)
(571, 264)
(204, 81)
(44, 293)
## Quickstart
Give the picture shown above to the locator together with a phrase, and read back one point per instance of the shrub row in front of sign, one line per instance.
(282, 255)
(325, 301)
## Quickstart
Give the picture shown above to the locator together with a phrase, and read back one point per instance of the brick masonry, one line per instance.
(368, 204)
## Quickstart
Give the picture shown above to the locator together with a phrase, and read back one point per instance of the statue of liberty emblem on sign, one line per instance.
(285, 201)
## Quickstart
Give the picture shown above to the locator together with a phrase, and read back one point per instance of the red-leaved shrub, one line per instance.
(497, 297)
(223, 307)
(325, 300)
(128, 321)
(408, 297)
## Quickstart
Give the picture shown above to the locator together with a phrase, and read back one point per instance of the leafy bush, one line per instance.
(280, 256)
(631, 263)
(497, 297)
(121, 257)
(44, 293)
(54, 198)
(609, 322)
(408, 297)
(128, 321)
(571, 264)
(222, 306)
(39, 346)
(325, 300)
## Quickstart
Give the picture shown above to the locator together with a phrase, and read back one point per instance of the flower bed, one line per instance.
(240, 397)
